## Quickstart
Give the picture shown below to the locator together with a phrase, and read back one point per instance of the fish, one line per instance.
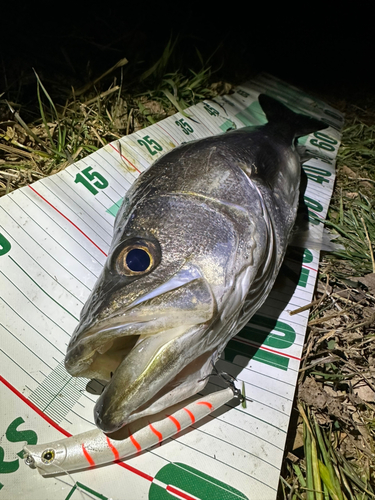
(197, 245)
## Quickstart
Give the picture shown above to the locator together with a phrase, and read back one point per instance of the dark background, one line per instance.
(327, 49)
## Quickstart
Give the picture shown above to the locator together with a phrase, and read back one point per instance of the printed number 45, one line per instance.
(152, 146)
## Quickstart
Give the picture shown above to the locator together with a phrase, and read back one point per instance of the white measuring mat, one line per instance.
(54, 237)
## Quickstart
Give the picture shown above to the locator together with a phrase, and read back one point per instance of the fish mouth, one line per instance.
(152, 353)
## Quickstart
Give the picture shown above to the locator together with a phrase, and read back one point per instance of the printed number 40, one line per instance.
(91, 180)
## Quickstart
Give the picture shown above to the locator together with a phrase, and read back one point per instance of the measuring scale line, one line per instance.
(48, 295)
(122, 156)
(257, 457)
(201, 121)
(176, 492)
(33, 407)
(32, 327)
(74, 209)
(311, 268)
(26, 347)
(254, 344)
(47, 241)
(166, 132)
(34, 305)
(97, 200)
(65, 217)
(37, 262)
(67, 187)
(117, 178)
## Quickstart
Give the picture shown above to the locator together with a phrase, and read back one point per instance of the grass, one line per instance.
(333, 454)
(336, 390)
(89, 118)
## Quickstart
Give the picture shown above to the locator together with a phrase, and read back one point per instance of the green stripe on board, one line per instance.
(62, 307)
(115, 208)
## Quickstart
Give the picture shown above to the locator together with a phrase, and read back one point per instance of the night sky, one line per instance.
(323, 48)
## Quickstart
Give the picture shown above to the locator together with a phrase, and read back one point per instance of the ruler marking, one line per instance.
(220, 461)
(65, 217)
(92, 207)
(26, 346)
(49, 235)
(76, 212)
(42, 289)
(112, 171)
(34, 305)
(96, 199)
(234, 446)
(39, 333)
(123, 157)
(166, 132)
(38, 263)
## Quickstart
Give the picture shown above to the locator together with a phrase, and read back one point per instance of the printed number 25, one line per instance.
(152, 146)
(87, 178)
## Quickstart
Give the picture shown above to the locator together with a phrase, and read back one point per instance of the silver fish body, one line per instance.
(197, 245)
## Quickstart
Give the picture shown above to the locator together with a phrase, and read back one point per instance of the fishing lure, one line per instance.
(93, 448)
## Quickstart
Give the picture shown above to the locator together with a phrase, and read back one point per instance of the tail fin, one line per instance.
(287, 123)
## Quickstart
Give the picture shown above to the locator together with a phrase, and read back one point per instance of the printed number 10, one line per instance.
(87, 178)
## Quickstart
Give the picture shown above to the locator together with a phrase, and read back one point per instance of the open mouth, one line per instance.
(151, 354)
(145, 374)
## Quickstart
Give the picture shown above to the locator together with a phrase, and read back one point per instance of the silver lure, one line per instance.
(93, 448)
(197, 245)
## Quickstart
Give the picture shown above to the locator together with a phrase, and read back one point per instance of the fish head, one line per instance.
(146, 328)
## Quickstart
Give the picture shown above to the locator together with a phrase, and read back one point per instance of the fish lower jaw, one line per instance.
(185, 383)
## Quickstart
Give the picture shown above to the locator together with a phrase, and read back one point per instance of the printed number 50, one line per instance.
(87, 178)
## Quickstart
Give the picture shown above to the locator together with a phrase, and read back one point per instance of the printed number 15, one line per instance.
(87, 178)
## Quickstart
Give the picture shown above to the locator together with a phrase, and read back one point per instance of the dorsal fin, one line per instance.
(286, 122)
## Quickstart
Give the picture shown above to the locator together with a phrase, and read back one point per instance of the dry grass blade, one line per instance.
(84, 89)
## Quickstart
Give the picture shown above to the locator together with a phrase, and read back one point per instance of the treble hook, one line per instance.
(229, 380)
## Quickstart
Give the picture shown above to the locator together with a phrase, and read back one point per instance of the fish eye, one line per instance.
(137, 257)
(138, 260)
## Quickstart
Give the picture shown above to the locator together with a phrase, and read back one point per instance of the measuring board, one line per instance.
(54, 238)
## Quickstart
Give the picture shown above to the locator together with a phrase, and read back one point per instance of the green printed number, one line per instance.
(313, 205)
(190, 483)
(323, 141)
(91, 180)
(254, 336)
(316, 174)
(210, 110)
(243, 93)
(304, 276)
(4, 245)
(152, 146)
(14, 436)
(186, 128)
